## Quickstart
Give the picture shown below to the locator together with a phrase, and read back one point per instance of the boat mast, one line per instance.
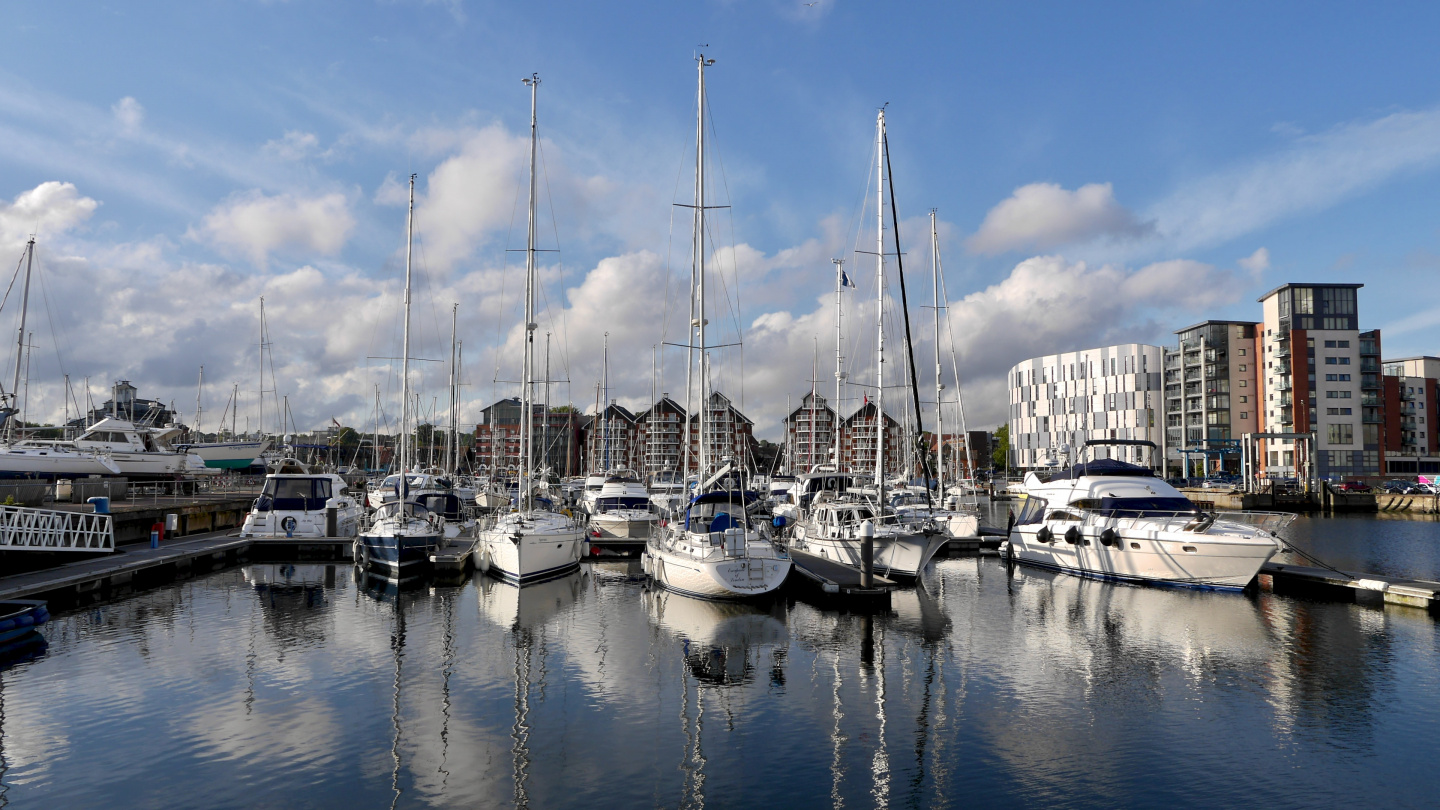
(199, 390)
(880, 304)
(450, 434)
(20, 336)
(400, 484)
(939, 386)
(605, 403)
(545, 412)
(260, 406)
(527, 416)
(375, 445)
(814, 382)
(698, 321)
(839, 360)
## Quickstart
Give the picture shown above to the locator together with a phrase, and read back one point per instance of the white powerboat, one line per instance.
(296, 505)
(621, 510)
(1113, 520)
(832, 530)
(112, 446)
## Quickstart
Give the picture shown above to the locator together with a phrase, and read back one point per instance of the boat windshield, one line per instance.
(1137, 507)
(715, 516)
(294, 494)
(392, 509)
(606, 504)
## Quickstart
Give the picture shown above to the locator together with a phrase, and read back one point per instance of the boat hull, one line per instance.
(739, 576)
(228, 455)
(530, 549)
(622, 526)
(396, 552)
(901, 556)
(1217, 562)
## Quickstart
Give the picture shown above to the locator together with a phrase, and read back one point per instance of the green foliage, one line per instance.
(1002, 447)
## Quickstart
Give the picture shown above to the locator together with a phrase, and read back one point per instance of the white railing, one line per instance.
(25, 529)
(1260, 523)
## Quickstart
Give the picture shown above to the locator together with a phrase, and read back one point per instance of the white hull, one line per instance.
(1218, 561)
(525, 547)
(21, 461)
(709, 573)
(625, 524)
(902, 555)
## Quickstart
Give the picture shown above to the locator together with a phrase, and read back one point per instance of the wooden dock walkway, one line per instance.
(125, 566)
(1302, 580)
(834, 580)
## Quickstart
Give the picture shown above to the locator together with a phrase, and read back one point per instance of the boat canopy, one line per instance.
(1103, 466)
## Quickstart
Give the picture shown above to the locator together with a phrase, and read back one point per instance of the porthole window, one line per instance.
(1134, 545)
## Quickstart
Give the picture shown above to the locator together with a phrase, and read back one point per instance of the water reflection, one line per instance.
(981, 685)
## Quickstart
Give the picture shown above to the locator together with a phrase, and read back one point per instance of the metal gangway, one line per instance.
(24, 528)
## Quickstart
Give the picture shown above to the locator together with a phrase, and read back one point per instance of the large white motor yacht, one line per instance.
(1113, 520)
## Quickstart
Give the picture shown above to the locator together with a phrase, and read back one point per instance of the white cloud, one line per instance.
(294, 145)
(255, 225)
(47, 210)
(128, 113)
(471, 195)
(1316, 172)
(1257, 262)
(1041, 216)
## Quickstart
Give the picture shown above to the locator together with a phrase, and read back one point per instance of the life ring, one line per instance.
(288, 523)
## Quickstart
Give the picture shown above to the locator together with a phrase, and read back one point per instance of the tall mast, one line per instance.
(199, 389)
(939, 386)
(450, 434)
(20, 335)
(650, 422)
(880, 304)
(545, 412)
(839, 361)
(527, 416)
(404, 440)
(260, 406)
(375, 444)
(234, 410)
(605, 403)
(814, 381)
(699, 265)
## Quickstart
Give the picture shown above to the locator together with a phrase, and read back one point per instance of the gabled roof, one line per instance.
(717, 398)
(868, 410)
(664, 405)
(820, 405)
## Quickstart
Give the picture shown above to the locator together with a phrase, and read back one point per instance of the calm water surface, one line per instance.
(296, 686)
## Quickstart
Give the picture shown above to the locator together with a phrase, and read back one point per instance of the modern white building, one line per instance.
(1059, 401)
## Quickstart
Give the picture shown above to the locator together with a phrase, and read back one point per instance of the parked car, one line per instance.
(1422, 489)
(1397, 487)
(1354, 486)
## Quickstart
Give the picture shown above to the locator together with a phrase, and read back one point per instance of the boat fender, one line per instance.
(24, 621)
(1044, 535)
(361, 554)
(1109, 537)
(7, 624)
(1072, 536)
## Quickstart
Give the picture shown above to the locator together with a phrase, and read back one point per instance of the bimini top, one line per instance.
(726, 496)
(1103, 466)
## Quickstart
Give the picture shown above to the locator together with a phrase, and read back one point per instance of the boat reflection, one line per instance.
(722, 642)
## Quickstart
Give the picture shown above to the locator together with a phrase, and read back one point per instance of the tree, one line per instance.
(1001, 452)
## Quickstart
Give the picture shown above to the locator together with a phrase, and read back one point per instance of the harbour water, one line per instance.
(297, 686)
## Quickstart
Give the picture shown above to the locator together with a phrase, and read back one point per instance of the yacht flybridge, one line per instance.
(1113, 520)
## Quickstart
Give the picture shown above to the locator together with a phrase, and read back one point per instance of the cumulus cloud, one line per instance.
(470, 194)
(1041, 216)
(254, 225)
(48, 209)
(128, 113)
(1257, 262)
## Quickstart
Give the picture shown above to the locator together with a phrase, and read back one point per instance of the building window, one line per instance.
(1244, 399)
(1337, 395)
(1242, 352)
(1345, 412)
(1341, 434)
(1344, 344)
(1330, 361)
(1329, 344)
(1242, 368)
(1244, 415)
(1344, 378)
(1344, 361)
(1242, 382)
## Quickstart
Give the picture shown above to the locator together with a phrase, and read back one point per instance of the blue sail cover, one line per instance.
(1104, 466)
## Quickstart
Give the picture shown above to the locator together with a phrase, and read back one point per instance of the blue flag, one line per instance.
(845, 280)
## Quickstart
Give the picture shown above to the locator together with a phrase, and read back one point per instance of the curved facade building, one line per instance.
(1059, 401)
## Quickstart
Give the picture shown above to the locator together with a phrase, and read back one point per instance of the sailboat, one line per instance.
(231, 455)
(715, 548)
(403, 532)
(834, 527)
(531, 543)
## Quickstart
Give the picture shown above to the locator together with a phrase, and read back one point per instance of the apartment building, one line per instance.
(497, 438)
(1211, 396)
(809, 434)
(660, 434)
(611, 440)
(860, 438)
(728, 433)
(1319, 373)
(1412, 395)
(1059, 401)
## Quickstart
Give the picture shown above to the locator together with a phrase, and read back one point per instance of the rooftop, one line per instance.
(1309, 286)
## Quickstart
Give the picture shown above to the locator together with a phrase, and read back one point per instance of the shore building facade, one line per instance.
(1212, 397)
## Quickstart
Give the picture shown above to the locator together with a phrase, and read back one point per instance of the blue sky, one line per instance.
(1192, 155)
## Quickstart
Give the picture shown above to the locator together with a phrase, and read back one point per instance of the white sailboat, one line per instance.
(403, 532)
(714, 548)
(531, 543)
